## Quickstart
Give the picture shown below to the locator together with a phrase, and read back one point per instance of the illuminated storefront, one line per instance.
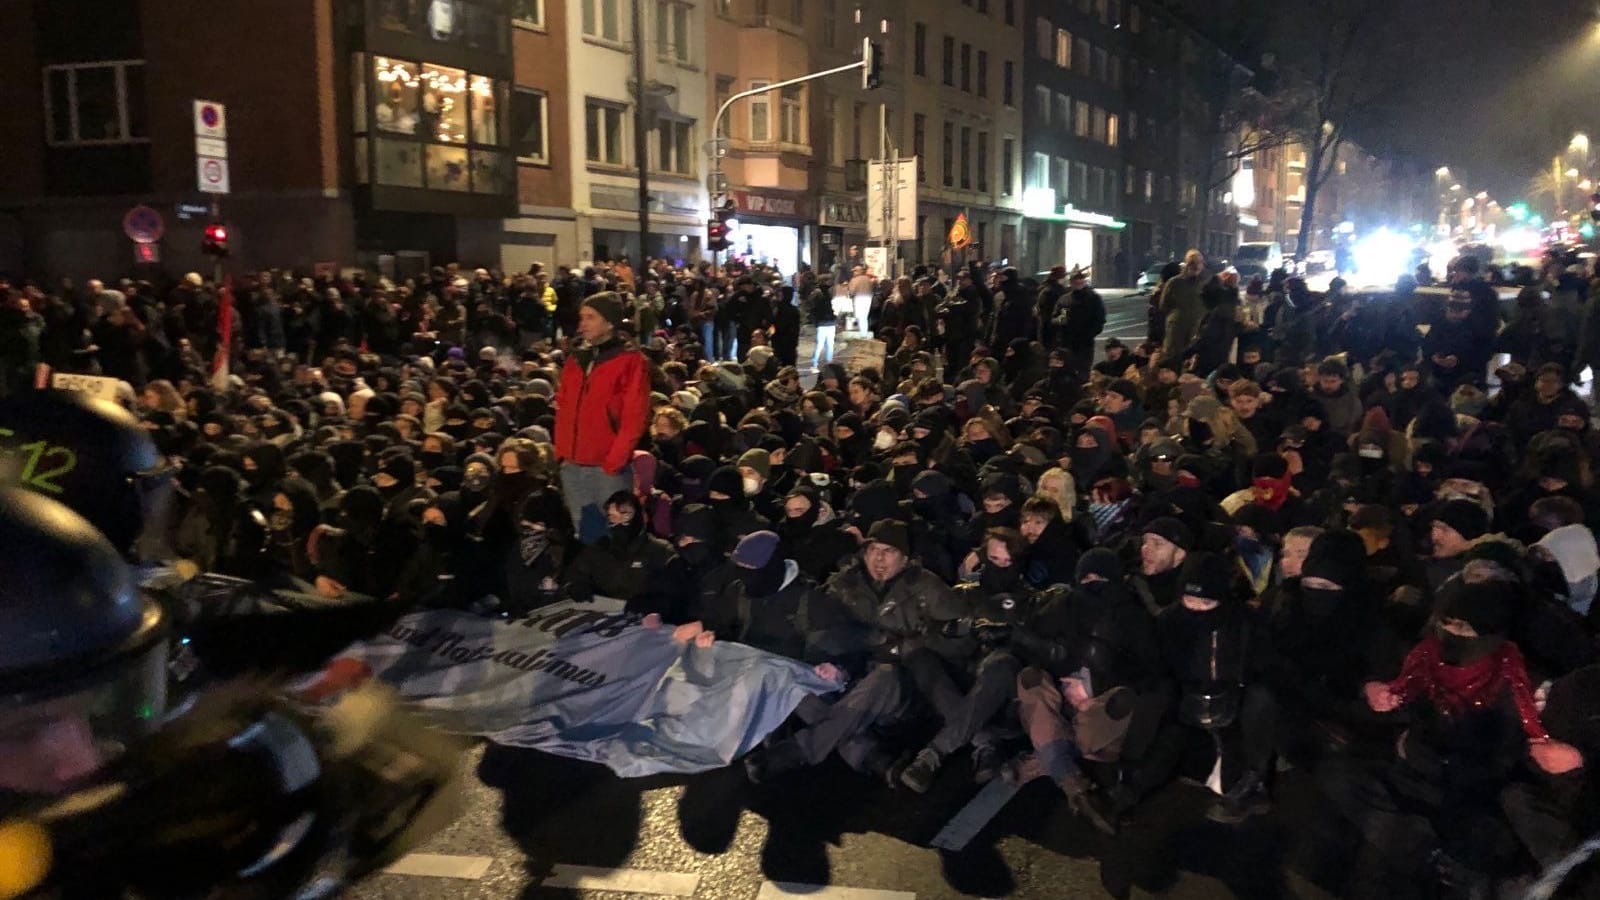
(1073, 237)
(773, 227)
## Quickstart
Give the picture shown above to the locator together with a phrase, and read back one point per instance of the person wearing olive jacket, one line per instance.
(881, 609)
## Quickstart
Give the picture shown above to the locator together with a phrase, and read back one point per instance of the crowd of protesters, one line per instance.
(1288, 531)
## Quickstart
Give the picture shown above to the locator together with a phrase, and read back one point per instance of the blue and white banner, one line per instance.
(588, 681)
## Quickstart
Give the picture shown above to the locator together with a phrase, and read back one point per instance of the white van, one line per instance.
(1258, 258)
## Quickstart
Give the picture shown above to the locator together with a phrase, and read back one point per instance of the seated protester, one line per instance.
(1120, 403)
(938, 522)
(982, 439)
(444, 572)
(1553, 467)
(1217, 649)
(938, 449)
(1052, 554)
(1094, 688)
(545, 544)
(731, 508)
(363, 555)
(1570, 544)
(1161, 389)
(755, 473)
(903, 466)
(293, 514)
(628, 564)
(1328, 640)
(1343, 406)
(1094, 456)
(1000, 504)
(851, 441)
(1395, 573)
(766, 603)
(396, 480)
(1255, 541)
(1272, 487)
(1114, 511)
(812, 537)
(967, 691)
(705, 570)
(1538, 410)
(667, 436)
(1456, 524)
(1062, 387)
(984, 388)
(1430, 812)
(1167, 542)
(223, 532)
(1262, 421)
(880, 608)
(1116, 362)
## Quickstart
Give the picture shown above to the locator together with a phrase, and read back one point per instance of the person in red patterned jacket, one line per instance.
(602, 410)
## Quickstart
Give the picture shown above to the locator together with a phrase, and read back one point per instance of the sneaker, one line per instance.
(986, 764)
(920, 774)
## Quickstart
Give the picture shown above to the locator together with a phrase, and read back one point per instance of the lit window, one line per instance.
(485, 111)
(672, 31)
(1111, 129)
(602, 19)
(760, 114)
(674, 143)
(444, 103)
(530, 123)
(527, 13)
(1063, 52)
(791, 120)
(95, 103)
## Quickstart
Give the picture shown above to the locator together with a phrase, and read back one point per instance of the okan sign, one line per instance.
(786, 206)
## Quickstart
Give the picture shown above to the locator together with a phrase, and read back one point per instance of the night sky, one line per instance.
(1489, 87)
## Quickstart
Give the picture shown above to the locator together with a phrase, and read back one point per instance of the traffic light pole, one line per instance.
(718, 195)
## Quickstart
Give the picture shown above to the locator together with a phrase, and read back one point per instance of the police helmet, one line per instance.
(92, 456)
(83, 662)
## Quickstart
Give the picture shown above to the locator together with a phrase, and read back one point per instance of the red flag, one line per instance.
(219, 362)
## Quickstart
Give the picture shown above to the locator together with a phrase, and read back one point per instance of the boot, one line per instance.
(986, 764)
(1082, 803)
(776, 761)
(1247, 798)
(920, 774)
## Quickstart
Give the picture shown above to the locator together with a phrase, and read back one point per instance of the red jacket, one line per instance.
(602, 407)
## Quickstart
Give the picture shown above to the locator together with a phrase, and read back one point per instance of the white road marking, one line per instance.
(779, 890)
(439, 865)
(627, 881)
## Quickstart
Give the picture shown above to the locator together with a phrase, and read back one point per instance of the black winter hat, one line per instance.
(1338, 556)
(726, 481)
(1488, 606)
(1174, 531)
(398, 464)
(891, 532)
(1208, 576)
(1468, 519)
(1101, 561)
(1123, 388)
(609, 305)
(697, 521)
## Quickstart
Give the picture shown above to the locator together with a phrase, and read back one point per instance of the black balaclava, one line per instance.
(727, 481)
(269, 469)
(765, 580)
(1487, 606)
(1339, 557)
(995, 579)
(694, 474)
(696, 520)
(795, 527)
(348, 457)
(623, 535)
(360, 512)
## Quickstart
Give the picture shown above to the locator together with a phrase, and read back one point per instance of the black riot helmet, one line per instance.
(83, 662)
(92, 456)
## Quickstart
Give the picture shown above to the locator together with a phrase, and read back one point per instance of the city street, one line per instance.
(539, 826)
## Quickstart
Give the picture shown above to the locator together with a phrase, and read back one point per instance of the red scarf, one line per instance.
(1455, 690)
(1271, 492)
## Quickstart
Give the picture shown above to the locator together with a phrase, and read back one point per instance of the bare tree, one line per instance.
(1237, 122)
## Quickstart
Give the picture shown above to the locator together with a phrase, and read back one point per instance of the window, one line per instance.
(1080, 176)
(966, 157)
(983, 7)
(1039, 172)
(486, 105)
(1134, 22)
(1101, 11)
(1133, 125)
(1098, 125)
(1111, 186)
(1080, 122)
(760, 114)
(830, 22)
(1008, 87)
(95, 103)
(672, 31)
(1097, 185)
(1063, 113)
(1116, 70)
(1062, 179)
(983, 73)
(949, 61)
(966, 68)
(1111, 129)
(857, 113)
(949, 154)
(724, 91)
(1102, 64)
(603, 19)
(527, 13)
(1008, 155)
(791, 121)
(602, 126)
(1011, 12)
(919, 144)
(1149, 186)
(919, 49)
(835, 131)
(983, 161)
(1128, 177)
(1166, 189)
(1063, 50)
(725, 8)
(1046, 38)
(1042, 97)
(675, 147)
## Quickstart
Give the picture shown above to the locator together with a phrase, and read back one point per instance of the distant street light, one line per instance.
(1572, 173)
(1442, 171)
(1579, 143)
(1455, 188)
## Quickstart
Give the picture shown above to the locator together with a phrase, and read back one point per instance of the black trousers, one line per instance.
(964, 703)
(1246, 745)
(881, 697)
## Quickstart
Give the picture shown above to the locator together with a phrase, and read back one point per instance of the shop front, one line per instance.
(772, 227)
(842, 223)
(1073, 237)
(613, 229)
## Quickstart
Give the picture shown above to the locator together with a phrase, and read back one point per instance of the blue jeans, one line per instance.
(586, 489)
(708, 334)
(728, 342)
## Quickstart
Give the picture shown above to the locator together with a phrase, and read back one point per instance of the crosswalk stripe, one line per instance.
(439, 865)
(779, 890)
(627, 881)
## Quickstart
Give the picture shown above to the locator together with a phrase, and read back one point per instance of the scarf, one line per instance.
(1271, 492)
(1456, 690)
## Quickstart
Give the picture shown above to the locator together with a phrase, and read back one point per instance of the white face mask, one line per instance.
(1370, 453)
(883, 441)
(752, 485)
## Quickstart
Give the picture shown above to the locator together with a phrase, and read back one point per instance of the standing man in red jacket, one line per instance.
(602, 410)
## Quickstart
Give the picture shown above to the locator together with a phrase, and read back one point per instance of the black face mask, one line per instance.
(623, 535)
(1000, 580)
(1321, 602)
(1455, 650)
(766, 580)
(431, 459)
(982, 450)
(280, 520)
(437, 535)
(902, 477)
(696, 554)
(392, 490)
(475, 482)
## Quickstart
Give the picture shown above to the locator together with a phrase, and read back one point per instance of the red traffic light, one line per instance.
(216, 240)
(716, 236)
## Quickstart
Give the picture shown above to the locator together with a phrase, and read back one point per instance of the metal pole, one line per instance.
(641, 143)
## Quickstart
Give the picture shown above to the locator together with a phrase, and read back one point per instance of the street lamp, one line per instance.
(1442, 171)
(1579, 143)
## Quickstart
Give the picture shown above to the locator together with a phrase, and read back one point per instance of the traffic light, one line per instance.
(216, 240)
(716, 236)
(871, 65)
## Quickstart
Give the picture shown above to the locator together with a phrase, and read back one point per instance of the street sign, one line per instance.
(204, 146)
(187, 211)
(212, 174)
(904, 178)
(210, 120)
(143, 225)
